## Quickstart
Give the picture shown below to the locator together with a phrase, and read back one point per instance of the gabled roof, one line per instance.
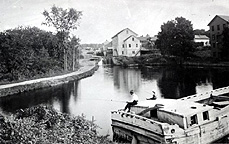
(130, 37)
(223, 17)
(122, 31)
(141, 38)
(106, 42)
(201, 37)
(109, 44)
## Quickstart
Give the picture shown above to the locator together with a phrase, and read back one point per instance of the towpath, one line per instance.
(86, 67)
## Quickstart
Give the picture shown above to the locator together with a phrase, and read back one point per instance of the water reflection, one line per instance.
(127, 79)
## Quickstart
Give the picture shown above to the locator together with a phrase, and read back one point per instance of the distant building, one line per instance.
(216, 26)
(126, 43)
(144, 40)
(107, 48)
(202, 39)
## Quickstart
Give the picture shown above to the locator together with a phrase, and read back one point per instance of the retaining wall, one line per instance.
(10, 89)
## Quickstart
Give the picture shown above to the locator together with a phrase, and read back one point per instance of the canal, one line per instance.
(108, 89)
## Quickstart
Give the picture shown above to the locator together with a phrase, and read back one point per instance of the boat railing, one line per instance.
(198, 97)
(139, 121)
(145, 123)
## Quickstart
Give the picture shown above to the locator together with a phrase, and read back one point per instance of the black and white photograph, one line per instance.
(114, 71)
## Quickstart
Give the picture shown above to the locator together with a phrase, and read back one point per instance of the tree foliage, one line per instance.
(26, 52)
(225, 44)
(63, 20)
(176, 38)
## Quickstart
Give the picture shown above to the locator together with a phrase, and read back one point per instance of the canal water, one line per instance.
(108, 89)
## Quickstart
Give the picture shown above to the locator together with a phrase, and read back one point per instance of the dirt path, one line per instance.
(87, 69)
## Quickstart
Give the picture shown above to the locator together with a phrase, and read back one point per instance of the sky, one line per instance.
(102, 19)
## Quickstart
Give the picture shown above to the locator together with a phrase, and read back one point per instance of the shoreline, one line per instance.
(86, 70)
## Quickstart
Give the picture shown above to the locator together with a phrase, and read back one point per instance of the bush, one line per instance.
(43, 124)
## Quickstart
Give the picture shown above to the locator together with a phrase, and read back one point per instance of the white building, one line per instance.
(126, 43)
(202, 39)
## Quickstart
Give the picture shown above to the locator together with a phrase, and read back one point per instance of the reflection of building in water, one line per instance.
(127, 79)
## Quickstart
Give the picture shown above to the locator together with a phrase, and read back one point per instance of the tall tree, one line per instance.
(63, 20)
(74, 53)
(176, 38)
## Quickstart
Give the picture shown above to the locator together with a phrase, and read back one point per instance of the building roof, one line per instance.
(223, 17)
(109, 44)
(201, 37)
(183, 108)
(130, 37)
(106, 42)
(142, 38)
(122, 31)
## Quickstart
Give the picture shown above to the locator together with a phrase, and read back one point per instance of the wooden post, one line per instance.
(134, 140)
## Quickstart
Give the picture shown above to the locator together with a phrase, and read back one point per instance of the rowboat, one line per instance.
(196, 119)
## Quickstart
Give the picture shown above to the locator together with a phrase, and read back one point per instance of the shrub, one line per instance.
(43, 124)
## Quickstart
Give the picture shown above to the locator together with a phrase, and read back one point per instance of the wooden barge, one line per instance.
(196, 119)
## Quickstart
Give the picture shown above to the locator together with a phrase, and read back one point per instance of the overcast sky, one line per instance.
(102, 19)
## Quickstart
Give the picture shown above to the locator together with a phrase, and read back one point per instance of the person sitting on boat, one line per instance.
(133, 102)
(153, 97)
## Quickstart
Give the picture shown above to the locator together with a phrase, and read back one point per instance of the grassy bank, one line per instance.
(152, 60)
(43, 124)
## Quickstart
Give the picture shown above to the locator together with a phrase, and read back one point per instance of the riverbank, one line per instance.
(158, 60)
(87, 69)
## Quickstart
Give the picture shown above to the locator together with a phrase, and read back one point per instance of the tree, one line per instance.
(225, 43)
(74, 53)
(26, 52)
(176, 38)
(63, 20)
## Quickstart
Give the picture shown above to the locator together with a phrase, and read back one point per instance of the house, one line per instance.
(147, 42)
(126, 43)
(216, 26)
(107, 48)
(203, 39)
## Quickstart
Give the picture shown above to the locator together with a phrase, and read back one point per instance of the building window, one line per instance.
(132, 39)
(212, 28)
(129, 45)
(224, 26)
(213, 37)
(194, 119)
(136, 45)
(218, 27)
(123, 45)
(205, 115)
(122, 52)
(133, 52)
